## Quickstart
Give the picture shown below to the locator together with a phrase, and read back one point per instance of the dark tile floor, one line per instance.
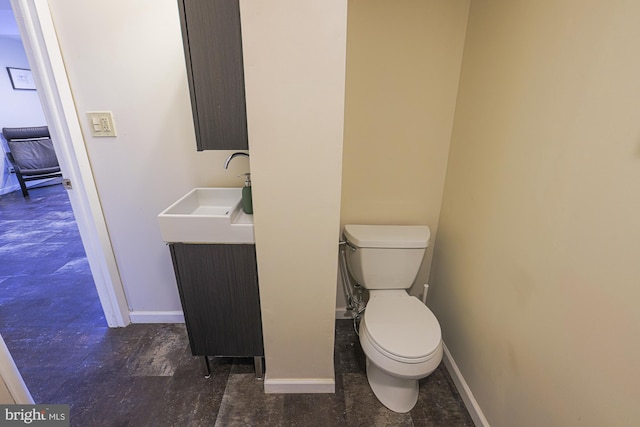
(144, 375)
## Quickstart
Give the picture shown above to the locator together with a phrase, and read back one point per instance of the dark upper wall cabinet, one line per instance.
(213, 53)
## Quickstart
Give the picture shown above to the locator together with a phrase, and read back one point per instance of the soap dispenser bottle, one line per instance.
(247, 202)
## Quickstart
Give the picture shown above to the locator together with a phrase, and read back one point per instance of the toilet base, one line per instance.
(398, 394)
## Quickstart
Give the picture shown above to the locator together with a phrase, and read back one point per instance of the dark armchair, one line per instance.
(31, 154)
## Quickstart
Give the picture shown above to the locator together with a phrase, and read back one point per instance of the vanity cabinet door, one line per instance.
(213, 53)
(218, 287)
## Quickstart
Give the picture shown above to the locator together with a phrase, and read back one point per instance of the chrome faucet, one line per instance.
(226, 163)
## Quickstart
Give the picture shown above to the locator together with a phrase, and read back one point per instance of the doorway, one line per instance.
(29, 225)
(45, 280)
(37, 32)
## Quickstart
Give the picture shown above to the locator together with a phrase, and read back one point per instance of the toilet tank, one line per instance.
(386, 256)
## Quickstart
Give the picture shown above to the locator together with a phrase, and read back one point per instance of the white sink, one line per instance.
(207, 215)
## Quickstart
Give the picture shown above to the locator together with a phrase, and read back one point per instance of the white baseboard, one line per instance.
(342, 313)
(465, 392)
(293, 385)
(156, 317)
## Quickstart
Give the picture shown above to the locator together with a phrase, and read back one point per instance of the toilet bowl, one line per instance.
(402, 341)
(400, 336)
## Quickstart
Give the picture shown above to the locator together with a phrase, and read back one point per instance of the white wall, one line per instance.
(17, 107)
(130, 61)
(8, 25)
(294, 59)
(535, 274)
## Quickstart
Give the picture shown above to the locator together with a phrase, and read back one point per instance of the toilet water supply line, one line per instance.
(355, 302)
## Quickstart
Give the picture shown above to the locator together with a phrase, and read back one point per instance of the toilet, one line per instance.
(399, 335)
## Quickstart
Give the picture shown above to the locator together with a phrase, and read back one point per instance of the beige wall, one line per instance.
(12, 388)
(6, 367)
(5, 396)
(294, 59)
(535, 275)
(403, 65)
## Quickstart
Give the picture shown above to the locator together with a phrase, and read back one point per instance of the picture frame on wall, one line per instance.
(21, 78)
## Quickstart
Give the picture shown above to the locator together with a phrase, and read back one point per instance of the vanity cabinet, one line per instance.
(213, 53)
(218, 285)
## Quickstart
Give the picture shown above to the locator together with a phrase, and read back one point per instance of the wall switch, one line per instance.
(101, 123)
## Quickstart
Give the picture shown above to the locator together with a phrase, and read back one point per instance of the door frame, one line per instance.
(45, 58)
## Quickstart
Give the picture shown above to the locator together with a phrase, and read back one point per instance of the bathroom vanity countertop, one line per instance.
(207, 215)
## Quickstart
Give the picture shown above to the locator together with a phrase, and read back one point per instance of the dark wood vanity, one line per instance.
(218, 285)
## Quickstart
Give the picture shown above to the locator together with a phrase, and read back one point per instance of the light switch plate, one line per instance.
(101, 123)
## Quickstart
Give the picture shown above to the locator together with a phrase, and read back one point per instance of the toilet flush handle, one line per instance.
(349, 244)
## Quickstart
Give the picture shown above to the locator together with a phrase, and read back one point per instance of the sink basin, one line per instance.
(207, 215)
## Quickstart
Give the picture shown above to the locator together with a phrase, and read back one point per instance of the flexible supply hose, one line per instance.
(355, 303)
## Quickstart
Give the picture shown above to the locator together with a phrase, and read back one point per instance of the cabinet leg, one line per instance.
(206, 368)
(257, 362)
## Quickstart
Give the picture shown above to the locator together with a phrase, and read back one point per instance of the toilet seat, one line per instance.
(402, 328)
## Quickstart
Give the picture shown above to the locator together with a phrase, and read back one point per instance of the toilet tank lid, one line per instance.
(388, 236)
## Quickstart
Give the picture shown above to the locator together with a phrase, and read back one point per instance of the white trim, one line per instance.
(342, 313)
(465, 392)
(156, 317)
(299, 385)
(11, 377)
(45, 58)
